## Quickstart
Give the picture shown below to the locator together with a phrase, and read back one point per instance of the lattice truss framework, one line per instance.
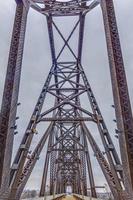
(67, 135)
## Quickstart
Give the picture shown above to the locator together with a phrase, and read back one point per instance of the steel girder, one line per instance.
(53, 172)
(66, 83)
(90, 171)
(10, 94)
(45, 171)
(61, 8)
(120, 93)
(82, 155)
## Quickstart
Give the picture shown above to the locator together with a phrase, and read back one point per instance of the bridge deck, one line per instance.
(64, 197)
(69, 197)
(77, 197)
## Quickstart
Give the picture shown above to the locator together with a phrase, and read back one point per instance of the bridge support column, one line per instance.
(10, 95)
(120, 92)
(43, 185)
(90, 172)
(45, 171)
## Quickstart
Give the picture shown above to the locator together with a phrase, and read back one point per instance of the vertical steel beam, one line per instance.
(90, 172)
(81, 35)
(83, 166)
(120, 92)
(10, 94)
(44, 178)
(45, 171)
(52, 172)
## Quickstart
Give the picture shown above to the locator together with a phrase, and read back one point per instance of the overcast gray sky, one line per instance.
(37, 61)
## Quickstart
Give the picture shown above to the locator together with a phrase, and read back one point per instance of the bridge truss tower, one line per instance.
(68, 133)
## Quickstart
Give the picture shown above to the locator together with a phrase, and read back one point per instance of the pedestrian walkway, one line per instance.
(77, 197)
(69, 197)
(64, 197)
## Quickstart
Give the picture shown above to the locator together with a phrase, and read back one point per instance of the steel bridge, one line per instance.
(67, 135)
